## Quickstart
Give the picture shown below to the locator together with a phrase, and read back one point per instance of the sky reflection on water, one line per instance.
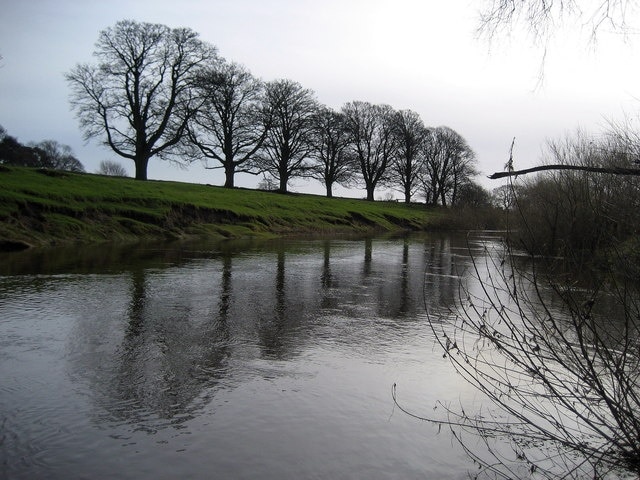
(270, 360)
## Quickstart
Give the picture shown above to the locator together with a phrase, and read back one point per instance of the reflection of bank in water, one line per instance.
(220, 358)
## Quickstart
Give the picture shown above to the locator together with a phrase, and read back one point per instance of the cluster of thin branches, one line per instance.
(558, 367)
(556, 352)
(541, 17)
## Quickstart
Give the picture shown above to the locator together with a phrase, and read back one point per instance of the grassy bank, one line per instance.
(39, 207)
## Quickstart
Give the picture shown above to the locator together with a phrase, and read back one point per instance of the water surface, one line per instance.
(270, 360)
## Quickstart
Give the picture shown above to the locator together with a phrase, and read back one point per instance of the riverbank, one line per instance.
(44, 207)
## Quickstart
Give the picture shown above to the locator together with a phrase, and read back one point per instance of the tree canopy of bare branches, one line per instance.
(231, 125)
(287, 148)
(58, 156)
(111, 168)
(410, 134)
(334, 163)
(449, 163)
(540, 17)
(139, 96)
(371, 140)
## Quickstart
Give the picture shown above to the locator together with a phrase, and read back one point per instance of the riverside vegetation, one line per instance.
(40, 207)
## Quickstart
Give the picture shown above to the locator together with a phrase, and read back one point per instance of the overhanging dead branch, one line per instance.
(608, 170)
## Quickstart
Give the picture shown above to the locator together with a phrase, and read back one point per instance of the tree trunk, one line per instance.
(141, 168)
(370, 191)
(329, 190)
(283, 184)
(229, 173)
(407, 195)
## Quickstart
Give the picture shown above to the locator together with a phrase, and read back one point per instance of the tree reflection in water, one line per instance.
(204, 340)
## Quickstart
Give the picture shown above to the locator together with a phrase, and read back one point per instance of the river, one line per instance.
(238, 360)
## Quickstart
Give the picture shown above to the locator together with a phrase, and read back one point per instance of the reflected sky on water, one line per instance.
(235, 360)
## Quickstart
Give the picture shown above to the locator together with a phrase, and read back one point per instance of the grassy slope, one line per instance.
(43, 207)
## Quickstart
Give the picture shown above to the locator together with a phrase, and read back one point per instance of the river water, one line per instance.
(238, 360)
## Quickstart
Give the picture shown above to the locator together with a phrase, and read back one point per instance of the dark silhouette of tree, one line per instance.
(503, 197)
(12, 152)
(46, 154)
(410, 134)
(139, 95)
(286, 151)
(371, 140)
(335, 164)
(58, 157)
(231, 125)
(448, 164)
(471, 194)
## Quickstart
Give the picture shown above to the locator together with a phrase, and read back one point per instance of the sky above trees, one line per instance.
(410, 54)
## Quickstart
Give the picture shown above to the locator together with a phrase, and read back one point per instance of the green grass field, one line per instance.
(43, 207)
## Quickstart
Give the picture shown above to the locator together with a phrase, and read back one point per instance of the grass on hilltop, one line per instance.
(44, 207)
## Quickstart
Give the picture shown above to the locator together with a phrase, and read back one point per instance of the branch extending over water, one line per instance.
(608, 170)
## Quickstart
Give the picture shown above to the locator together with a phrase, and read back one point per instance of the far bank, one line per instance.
(41, 207)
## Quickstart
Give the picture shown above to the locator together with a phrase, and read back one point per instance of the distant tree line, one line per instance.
(158, 91)
(45, 154)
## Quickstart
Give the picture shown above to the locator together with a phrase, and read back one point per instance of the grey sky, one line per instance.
(420, 55)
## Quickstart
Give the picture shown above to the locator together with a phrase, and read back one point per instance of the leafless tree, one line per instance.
(286, 151)
(139, 95)
(111, 168)
(371, 140)
(231, 126)
(406, 168)
(58, 156)
(448, 163)
(334, 162)
(503, 197)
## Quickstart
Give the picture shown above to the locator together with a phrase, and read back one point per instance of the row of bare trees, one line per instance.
(157, 91)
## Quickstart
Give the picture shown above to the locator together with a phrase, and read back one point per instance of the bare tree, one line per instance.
(371, 140)
(231, 125)
(448, 164)
(286, 151)
(406, 168)
(57, 156)
(503, 197)
(334, 162)
(139, 95)
(111, 168)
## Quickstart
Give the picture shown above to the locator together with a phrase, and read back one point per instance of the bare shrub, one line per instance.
(114, 169)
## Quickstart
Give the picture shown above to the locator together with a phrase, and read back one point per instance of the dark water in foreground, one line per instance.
(240, 361)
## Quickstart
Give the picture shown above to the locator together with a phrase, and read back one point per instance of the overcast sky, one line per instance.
(422, 55)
